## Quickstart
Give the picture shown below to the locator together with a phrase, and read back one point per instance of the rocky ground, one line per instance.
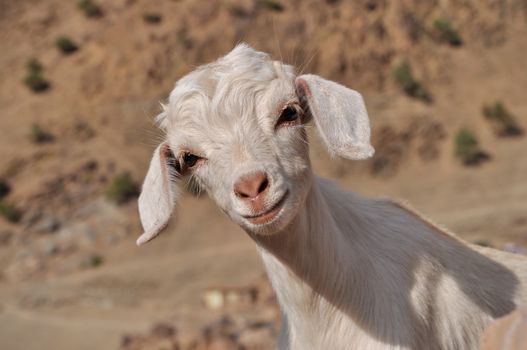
(78, 134)
(243, 318)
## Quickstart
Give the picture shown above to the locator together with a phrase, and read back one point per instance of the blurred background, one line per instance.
(445, 83)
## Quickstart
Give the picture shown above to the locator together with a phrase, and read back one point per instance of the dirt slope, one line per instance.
(71, 276)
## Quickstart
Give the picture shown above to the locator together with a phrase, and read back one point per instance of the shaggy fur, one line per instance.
(349, 272)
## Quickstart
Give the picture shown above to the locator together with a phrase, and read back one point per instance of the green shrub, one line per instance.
(36, 82)
(34, 79)
(153, 18)
(66, 45)
(273, 5)
(467, 148)
(446, 33)
(90, 8)
(504, 124)
(96, 260)
(402, 75)
(92, 260)
(466, 143)
(5, 189)
(10, 212)
(39, 134)
(122, 189)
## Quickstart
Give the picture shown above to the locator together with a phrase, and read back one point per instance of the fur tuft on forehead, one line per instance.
(227, 86)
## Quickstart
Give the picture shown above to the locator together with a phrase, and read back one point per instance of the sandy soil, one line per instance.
(100, 105)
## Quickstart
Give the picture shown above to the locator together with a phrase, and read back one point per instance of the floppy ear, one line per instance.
(340, 116)
(158, 195)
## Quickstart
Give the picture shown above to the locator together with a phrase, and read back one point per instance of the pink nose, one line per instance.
(251, 186)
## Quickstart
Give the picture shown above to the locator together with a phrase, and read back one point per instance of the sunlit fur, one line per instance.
(349, 272)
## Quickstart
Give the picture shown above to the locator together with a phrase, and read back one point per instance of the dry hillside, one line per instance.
(74, 150)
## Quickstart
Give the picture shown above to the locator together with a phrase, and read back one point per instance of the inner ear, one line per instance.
(158, 194)
(307, 116)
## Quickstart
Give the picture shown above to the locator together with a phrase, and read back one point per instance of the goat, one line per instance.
(349, 272)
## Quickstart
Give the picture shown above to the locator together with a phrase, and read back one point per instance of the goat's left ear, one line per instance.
(158, 195)
(340, 116)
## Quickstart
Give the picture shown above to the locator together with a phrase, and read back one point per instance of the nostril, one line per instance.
(263, 185)
(251, 186)
(240, 193)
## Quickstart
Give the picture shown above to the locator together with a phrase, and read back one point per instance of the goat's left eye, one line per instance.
(288, 115)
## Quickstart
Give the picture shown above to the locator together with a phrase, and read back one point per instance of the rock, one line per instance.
(120, 5)
(5, 237)
(90, 165)
(222, 344)
(163, 330)
(23, 267)
(256, 338)
(217, 298)
(189, 339)
(50, 248)
(213, 299)
(31, 218)
(89, 235)
(33, 301)
(127, 340)
(80, 232)
(137, 342)
(47, 224)
(249, 322)
(112, 239)
(514, 248)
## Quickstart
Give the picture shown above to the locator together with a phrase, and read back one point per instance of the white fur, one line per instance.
(349, 272)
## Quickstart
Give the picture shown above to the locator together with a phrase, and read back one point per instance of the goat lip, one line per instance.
(268, 215)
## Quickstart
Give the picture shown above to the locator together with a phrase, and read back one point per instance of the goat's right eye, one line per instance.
(189, 159)
(185, 162)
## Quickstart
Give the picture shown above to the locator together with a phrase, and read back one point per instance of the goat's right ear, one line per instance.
(158, 194)
(340, 116)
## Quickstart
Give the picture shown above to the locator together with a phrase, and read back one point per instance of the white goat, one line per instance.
(349, 272)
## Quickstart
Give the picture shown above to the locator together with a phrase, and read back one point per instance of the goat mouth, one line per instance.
(268, 215)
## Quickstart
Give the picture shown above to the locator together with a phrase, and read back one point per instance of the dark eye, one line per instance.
(288, 115)
(184, 162)
(189, 159)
